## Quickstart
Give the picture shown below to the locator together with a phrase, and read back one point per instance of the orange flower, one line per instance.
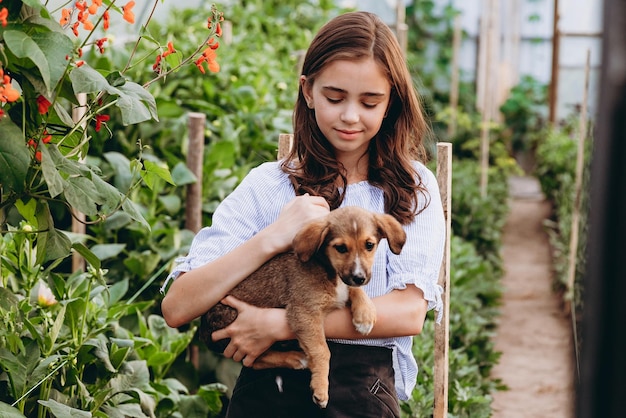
(218, 30)
(199, 62)
(4, 14)
(80, 63)
(211, 57)
(100, 119)
(93, 8)
(129, 16)
(75, 28)
(38, 156)
(7, 92)
(81, 5)
(105, 20)
(87, 24)
(66, 14)
(42, 104)
(46, 139)
(170, 49)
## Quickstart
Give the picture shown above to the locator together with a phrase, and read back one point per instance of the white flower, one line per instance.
(45, 298)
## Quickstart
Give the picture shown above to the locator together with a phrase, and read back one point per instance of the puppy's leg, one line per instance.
(287, 359)
(363, 310)
(309, 329)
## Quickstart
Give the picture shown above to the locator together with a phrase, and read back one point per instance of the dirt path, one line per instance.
(534, 334)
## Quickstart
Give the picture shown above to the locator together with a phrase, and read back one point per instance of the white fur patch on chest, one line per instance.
(341, 293)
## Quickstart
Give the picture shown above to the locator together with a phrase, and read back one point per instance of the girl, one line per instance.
(358, 131)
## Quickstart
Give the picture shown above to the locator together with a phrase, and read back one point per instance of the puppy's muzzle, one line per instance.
(355, 280)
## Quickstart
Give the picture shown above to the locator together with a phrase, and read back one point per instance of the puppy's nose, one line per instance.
(358, 280)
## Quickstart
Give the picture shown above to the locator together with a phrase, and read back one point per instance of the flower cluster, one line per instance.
(8, 93)
(85, 12)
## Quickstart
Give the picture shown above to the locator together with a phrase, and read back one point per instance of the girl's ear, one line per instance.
(309, 239)
(306, 91)
(390, 228)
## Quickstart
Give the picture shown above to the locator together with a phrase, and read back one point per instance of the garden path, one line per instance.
(534, 332)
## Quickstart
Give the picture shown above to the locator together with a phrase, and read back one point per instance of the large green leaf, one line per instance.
(63, 411)
(135, 103)
(7, 411)
(82, 194)
(14, 156)
(54, 180)
(47, 50)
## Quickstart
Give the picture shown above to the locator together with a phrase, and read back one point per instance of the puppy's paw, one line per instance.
(364, 317)
(321, 400)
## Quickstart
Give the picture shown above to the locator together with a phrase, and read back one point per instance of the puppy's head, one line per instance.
(346, 240)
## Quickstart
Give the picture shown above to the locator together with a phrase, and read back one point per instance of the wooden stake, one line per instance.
(78, 218)
(442, 331)
(454, 76)
(580, 162)
(193, 205)
(402, 29)
(195, 159)
(554, 80)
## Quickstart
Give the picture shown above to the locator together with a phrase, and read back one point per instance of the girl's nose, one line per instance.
(350, 114)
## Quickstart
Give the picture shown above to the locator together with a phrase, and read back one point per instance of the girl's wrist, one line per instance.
(279, 328)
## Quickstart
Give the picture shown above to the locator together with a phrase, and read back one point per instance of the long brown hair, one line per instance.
(355, 36)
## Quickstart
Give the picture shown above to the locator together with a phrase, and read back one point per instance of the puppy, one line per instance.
(332, 257)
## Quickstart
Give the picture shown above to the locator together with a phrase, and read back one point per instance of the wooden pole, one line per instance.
(554, 79)
(193, 205)
(487, 43)
(195, 159)
(578, 185)
(402, 29)
(454, 76)
(79, 218)
(442, 332)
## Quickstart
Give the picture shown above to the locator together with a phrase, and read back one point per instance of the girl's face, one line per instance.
(350, 99)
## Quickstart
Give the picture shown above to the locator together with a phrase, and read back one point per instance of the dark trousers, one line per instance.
(361, 384)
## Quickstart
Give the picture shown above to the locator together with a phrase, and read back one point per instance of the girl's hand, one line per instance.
(253, 332)
(294, 215)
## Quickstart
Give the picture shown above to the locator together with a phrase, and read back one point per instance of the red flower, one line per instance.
(157, 63)
(38, 156)
(170, 49)
(105, 19)
(75, 28)
(4, 14)
(100, 44)
(42, 104)
(129, 16)
(80, 63)
(100, 119)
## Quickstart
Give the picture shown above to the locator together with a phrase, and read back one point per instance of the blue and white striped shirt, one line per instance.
(257, 202)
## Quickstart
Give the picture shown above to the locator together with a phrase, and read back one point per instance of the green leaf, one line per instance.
(136, 104)
(51, 174)
(155, 171)
(82, 195)
(63, 411)
(58, 245)
(133, 211)
(182, 175)
(85, 79)
(55, 46)
(23, 46)
(14, 156)
(106, 251)
(7, 411)
(89, 256)
(28, 210)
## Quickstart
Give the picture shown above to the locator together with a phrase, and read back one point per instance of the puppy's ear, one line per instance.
(390, 228)
(309, 239)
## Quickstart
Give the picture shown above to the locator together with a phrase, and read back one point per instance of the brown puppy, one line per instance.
(331, 258)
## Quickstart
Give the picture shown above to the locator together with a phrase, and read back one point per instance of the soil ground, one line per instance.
(534, 331)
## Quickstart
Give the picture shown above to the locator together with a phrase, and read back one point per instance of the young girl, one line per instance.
(358, 131)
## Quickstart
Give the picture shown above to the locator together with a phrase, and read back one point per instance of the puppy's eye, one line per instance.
(369, 246)
(341, 248)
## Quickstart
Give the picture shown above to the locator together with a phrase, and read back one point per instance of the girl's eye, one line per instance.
(369, 105)
(332, 100)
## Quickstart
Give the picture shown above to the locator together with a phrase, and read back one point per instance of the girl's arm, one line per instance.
(195, 292)
(398, 313)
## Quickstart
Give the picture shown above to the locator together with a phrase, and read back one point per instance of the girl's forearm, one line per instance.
(195, 292)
